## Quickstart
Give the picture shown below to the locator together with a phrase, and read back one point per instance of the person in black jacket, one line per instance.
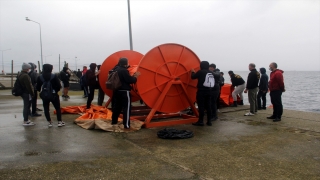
(263, 89)
(65, 76)
(56, 86)
(33, 76)
(203, 94)
(121, 97)
(215, 92)
(101, 93)
(252, 89)
(239, 85)
(92, 82)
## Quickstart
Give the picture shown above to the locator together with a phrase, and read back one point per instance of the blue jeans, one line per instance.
(26, 106)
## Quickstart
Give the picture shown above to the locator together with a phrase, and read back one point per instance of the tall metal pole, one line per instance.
(11, 73)
(75, 59)
(2, 59)
(27, 19)
(59, 63)
(129, 19)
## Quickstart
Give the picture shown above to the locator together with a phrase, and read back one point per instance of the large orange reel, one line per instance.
(163, 65)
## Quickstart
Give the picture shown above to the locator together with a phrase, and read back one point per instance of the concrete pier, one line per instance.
(235, 147)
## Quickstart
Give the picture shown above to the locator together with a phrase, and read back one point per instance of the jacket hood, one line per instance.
(65, 69)
(263, 70)
(33, 66)
(204, 65)
(93, 66)
(47, 68)
(280, 70)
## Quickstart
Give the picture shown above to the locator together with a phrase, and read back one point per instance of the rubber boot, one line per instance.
(234, 104)
(241, 102)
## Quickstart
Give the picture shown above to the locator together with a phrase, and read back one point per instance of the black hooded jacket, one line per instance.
(201, 75)
(91, 76)
(33, 75)
(125, 78)
(253, 79)
(46, 73)
(263, 85)
(64, 75)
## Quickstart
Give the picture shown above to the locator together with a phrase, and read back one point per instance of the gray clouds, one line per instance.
(231, 34)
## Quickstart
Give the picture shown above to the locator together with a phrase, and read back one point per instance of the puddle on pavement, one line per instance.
(32, 153)
(54, 152)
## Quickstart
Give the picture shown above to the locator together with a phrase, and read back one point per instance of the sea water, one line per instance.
(302, 89)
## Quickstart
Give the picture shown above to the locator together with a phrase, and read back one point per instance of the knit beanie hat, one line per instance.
(26, 66)
(123, 61)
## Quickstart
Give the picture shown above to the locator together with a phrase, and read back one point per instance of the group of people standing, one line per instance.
(257, 87)
(32, 82)
(207, 97)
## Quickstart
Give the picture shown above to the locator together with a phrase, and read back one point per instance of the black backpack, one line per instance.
(46, 89)
(113, 82)
(17, 89)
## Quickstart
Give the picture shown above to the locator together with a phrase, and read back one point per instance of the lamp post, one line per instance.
(2, 59)
(75, 60)
(129, 19)
(27, 19)
(45, 59)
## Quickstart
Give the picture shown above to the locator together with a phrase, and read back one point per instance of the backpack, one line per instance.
(209, 80)
(46, 89)
(113, 82)
(17, 89)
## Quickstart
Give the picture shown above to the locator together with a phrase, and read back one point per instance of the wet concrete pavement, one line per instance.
(235, 147)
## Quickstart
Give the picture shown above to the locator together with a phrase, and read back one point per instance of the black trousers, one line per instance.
(100, 96)
(56, 104)
(121, 101)
(26, 106)
(218, 98)
(214, 97)
(204, 103)
(277, 103)
(262, 95)
(34, 102)
(90, 96)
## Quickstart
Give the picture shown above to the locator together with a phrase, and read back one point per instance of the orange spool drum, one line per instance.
(161, 65)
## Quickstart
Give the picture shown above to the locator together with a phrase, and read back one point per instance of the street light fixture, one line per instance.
(27, 19)
(2, 59)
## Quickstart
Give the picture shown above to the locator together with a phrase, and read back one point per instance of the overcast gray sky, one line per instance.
(230, 33)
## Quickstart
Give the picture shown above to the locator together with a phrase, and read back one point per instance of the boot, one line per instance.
(241, 102)
(234, 104)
